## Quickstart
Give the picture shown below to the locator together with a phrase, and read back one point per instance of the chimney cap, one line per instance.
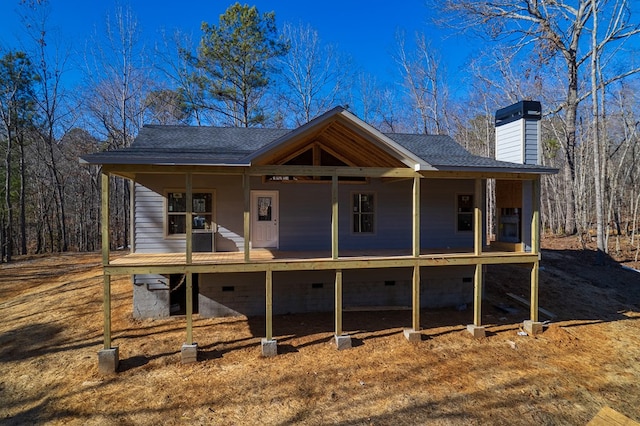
(523, 109)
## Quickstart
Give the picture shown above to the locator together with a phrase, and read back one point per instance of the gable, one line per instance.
(343, 136)
(334, 144)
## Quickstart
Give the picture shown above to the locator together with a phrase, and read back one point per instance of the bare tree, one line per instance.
(16, 112)
(313, 76)
(118, 81)
(546, 30)
(56, 114)
(424, 80)
(180, 71)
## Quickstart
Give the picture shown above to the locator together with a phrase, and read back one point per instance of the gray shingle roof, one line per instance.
(231, 146)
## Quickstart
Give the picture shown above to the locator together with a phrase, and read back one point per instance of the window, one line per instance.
(465, 213)
(363, 212)
(202, 212)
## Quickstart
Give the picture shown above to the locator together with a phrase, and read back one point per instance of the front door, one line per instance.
(264, 219)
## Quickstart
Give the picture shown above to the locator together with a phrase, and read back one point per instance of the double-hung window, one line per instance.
(202, 212)
(464, 212)
(363, 213)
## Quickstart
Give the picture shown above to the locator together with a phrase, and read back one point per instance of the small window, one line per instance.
(202, 212)
(465, 212)
(363, 213)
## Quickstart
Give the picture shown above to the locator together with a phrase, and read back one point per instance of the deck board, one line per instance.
(264, 255)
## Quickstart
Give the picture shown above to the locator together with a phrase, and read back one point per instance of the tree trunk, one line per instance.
(7, 241)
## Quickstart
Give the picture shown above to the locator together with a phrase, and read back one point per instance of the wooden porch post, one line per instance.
(108, 357)
(477, 248)
(416, 298)
(132, 214)
(338, 302)
(246, 184)
(416, 253)
(106, 305)
(416, 216)
(476, 328)
(105, 219)
(477, 296)
(535, 246)
(189, 302)
(334, 216)
(477, 218)
(189, 219)
(269, 304)
(107, 310)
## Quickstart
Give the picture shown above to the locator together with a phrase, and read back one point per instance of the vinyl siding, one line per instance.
(532, 142)
(511, 137)
(509, 142)
(305, 214)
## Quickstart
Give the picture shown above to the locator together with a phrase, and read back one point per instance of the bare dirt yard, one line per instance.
(587, 358)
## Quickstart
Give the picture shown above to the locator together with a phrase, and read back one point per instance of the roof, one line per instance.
(233, 146)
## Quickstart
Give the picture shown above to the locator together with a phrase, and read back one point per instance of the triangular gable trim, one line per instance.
(339, 113)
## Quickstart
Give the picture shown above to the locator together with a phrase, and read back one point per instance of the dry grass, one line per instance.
(51, 330)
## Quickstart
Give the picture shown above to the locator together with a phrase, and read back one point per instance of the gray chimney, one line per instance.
(518, 133)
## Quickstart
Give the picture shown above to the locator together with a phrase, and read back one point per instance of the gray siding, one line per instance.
(509, 142)
(438, 216)
(532, 142)
(149, 223)
(305, 214)
(519, 142)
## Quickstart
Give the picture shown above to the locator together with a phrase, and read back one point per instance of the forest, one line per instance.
(577, 57)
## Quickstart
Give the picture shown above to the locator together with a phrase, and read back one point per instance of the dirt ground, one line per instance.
(587, 358)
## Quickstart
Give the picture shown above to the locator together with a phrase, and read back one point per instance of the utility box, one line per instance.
(518, 133)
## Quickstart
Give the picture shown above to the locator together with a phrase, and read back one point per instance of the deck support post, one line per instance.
(343, 341)
(246, 185)
(476, 329)
(413, 334)
(189, 351)
(533, 326)
(108, 356)
(269, 344)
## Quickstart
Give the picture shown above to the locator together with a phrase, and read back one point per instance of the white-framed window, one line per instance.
(363, 211)
(464, 212)
(176, 211)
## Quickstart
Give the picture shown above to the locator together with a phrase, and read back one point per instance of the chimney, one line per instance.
(518, 133)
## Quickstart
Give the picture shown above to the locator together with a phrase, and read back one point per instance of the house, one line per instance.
(333, 214)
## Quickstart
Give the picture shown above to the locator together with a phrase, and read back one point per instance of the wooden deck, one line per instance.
(276, 260)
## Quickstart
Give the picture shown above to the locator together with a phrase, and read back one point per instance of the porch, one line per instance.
(268, 261)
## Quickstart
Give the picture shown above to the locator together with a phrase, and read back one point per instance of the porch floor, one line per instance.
(266, 255)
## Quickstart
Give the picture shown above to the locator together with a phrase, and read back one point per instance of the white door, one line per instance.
(264, 219)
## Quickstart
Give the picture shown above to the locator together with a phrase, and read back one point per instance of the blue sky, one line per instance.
(364, 30)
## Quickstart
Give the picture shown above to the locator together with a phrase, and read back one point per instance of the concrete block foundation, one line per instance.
(412, 335)
(269, 347)
(189, 353)
(476, 331)
(108, 360)
(532, 327)
(343, 342)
